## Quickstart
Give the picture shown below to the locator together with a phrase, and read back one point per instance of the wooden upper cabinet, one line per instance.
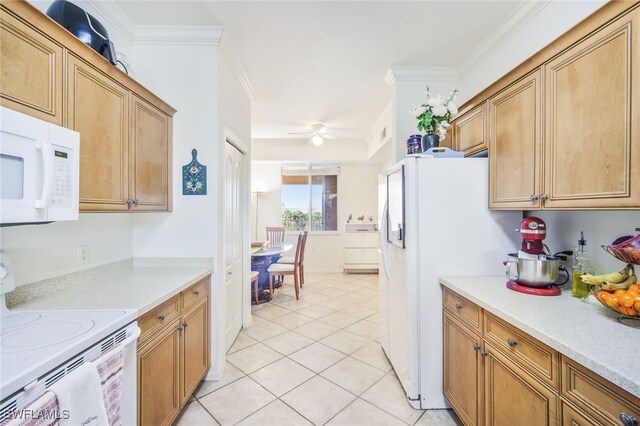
(592, 120)
(447, 142)
(98, 108)
(470, 131)
(149, 153)
(515, 145)
(30, 70)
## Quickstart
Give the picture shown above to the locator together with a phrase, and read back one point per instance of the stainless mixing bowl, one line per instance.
(541, 272)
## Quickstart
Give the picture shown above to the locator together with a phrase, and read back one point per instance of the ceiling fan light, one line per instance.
(317, 140)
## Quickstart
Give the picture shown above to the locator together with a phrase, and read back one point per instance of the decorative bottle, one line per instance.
(581, 265)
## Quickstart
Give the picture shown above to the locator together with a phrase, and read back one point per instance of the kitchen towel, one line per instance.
(80, 395)
(41, 412)
(110, 369)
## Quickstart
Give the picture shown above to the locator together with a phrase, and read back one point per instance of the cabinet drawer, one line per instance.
(356, 255)
(153, 322)
(533, 355)
(196, 292)
(364, 239)
(463, 310)
(596, 396)
(572, 417)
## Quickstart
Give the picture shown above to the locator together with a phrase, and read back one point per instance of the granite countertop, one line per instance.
(135, 284)
(584, 332)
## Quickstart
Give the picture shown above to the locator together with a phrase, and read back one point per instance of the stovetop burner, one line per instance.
(17, 320)
(551, 290)
(40, 335)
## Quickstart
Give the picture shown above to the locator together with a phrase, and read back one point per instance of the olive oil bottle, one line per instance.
(581, 265)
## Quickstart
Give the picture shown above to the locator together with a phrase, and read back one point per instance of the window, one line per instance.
(310, 198)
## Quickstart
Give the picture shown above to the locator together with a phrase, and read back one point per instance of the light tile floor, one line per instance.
(316, 361)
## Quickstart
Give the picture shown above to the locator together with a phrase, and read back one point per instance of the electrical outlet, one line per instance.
(83, 254)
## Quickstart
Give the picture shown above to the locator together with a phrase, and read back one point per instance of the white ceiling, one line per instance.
(325, 61)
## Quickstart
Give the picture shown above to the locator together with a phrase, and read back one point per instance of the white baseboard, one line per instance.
(323, 271)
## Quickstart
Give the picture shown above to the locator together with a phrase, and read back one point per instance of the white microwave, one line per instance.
(39, 170)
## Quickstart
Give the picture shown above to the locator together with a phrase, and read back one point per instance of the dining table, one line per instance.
(261, 258)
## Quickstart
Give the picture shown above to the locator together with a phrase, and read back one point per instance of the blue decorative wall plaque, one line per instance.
(194, 177)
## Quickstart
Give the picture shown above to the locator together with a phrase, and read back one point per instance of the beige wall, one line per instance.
(357, 194)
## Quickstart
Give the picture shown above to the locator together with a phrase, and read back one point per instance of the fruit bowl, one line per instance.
(625, 302)
(628, 250)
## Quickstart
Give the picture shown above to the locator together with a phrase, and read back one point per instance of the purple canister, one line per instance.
(414, 144)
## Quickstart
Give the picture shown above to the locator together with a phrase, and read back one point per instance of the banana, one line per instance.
(611, 278)
(620, 286)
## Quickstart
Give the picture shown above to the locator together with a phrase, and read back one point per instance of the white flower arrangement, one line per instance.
(434, 115)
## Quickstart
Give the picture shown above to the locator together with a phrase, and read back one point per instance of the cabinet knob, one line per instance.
(512, 342)
(185, 324)
(129, 202)
(544, 197)
(534, 197)
(180, 327)
(161, 317)
(458, 306)
(196, 292)
(135, 202)
(483, 354)
(628, 420)
(476, 346)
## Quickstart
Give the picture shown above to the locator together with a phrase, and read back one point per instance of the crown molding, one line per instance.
(111, 15)
(517, 19)
(178, 35)
(226, 47)
(417, 73)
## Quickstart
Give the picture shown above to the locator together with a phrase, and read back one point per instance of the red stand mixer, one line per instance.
(533, 270)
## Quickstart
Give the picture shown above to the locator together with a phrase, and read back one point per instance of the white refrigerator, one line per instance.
(434, 222)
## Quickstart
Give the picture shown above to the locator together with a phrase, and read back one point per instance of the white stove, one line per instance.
(34, 343)
(39, 348)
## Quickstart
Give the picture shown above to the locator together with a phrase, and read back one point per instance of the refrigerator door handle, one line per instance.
(382, 238)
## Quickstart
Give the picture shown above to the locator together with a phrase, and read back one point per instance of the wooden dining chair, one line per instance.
(255, 278)
(282, 269)
(291, 259)
(275, 234)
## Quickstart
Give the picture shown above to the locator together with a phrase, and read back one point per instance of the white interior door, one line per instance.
(233, 243)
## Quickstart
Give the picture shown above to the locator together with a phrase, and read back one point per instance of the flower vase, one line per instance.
(430, 140)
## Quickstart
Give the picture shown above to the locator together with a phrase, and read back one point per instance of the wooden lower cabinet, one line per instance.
(462, 370)
(514, 397)
(195, 349)
(158, 378)
(496, 374)
(173, 359)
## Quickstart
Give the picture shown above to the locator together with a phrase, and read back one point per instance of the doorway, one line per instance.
(233, 280)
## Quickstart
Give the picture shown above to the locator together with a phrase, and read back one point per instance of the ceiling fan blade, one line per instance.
(303, 134)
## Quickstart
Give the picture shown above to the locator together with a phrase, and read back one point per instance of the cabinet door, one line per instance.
(515, 149)
(462, 371)
(195, 348)
(513, 397)
(592, 143)
(447, 142)
(158, 378)
(98, 109)
(149, 156)
(470, 131)
(30, 70)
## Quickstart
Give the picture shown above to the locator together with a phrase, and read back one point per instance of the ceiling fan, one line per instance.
(318, 134)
